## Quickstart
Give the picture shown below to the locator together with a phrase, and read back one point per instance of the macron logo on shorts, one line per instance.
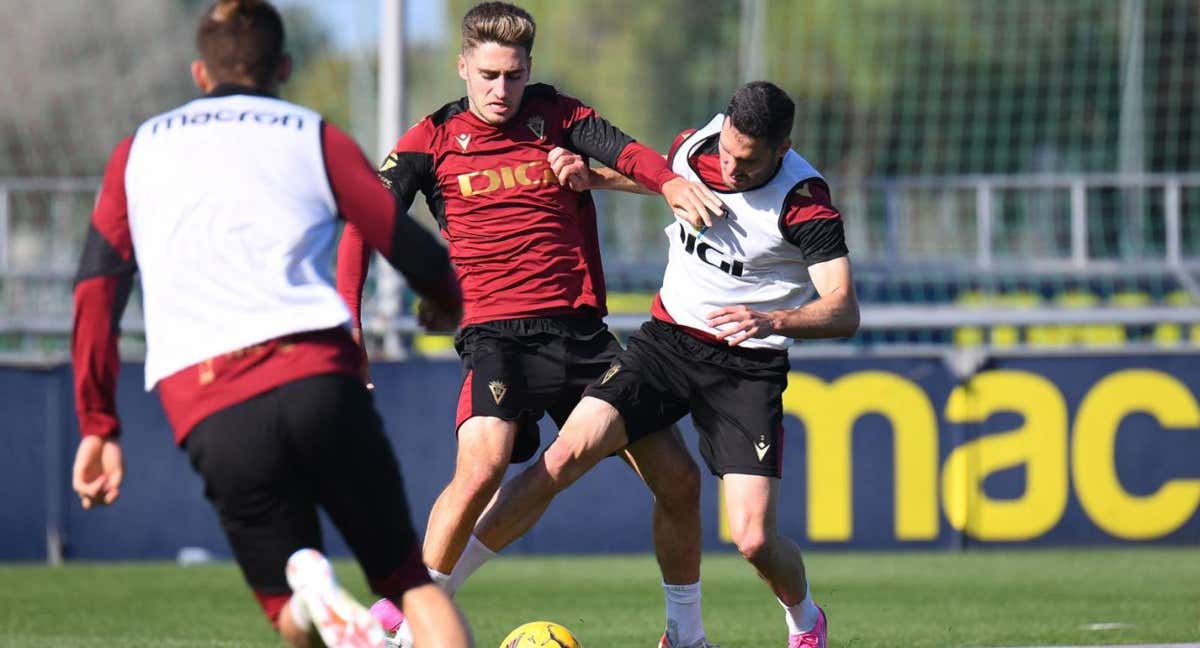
(762, 447)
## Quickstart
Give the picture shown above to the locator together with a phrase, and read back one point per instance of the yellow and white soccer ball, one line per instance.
(539, 634)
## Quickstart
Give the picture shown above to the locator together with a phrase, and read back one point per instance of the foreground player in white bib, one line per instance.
(228, 207)
(732, 301)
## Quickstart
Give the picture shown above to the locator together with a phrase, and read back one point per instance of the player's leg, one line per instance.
(494, 420)
(485, 446)
(737, 407)
(495, 426)
(592, 432)
(264, 501)
(664, 463)
(751, 505)
(357, 481)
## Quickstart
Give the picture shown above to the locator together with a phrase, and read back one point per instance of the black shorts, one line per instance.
(735, 395)
(518, 370)
(270, 461)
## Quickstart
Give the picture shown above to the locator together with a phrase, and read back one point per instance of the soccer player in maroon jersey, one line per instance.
(527, 256)
(228, 207)
(731, 302)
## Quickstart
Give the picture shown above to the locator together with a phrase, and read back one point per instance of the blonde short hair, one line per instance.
(498, 22)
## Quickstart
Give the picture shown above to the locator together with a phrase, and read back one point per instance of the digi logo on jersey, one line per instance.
(709, 254)
(522, 175)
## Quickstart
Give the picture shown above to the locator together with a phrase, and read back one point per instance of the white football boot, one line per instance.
(341, 621)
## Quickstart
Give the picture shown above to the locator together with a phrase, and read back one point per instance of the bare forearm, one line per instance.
(612, 180)
(831, 316)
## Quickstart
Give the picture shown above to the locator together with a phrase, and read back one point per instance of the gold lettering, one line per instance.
(1093, 463)
(829, 412)
(1039, 442)
(507, 174)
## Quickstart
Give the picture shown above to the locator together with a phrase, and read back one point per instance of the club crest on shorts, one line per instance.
(498, 389)
(612, 371)
(463, 139)
(538, 126)
(762, 447)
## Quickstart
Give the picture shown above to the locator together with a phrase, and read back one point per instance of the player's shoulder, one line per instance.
(679, 140)
(439, 117)
(544, 92)
(547, 98)
(424, 136)
(809, 199)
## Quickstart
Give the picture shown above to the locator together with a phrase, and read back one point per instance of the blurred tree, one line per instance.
(82, 74)
(653, 68)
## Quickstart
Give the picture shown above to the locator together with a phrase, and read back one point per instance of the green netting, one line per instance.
(981, 151)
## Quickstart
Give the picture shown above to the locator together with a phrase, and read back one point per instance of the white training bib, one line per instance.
(234, 225)
(743, 258)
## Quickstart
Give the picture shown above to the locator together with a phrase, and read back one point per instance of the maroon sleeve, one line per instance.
(645, 165)
(353, 261)
(383, 224)
(811, 222)
(102, 287)
(592, 135)
(679, 140)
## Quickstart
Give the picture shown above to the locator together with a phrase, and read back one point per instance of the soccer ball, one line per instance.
(537, 634)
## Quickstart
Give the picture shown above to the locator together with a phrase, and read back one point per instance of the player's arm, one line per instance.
(380, 221)
(102, 286)
(405, 171)
(573, 171)
(814, 226)
(593, 136)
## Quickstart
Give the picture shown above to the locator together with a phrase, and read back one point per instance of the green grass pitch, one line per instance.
(978, 598)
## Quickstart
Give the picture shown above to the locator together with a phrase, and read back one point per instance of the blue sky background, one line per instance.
(354, 24)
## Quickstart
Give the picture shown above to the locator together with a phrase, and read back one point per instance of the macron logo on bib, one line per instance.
(226, 115)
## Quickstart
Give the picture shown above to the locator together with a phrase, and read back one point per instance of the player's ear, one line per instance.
(784, 146)
(284, 71)
(200, 76)
(462, 67)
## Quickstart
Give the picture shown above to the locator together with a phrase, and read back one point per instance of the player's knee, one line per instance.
(562, 465)
(752, 543)
(481, 479)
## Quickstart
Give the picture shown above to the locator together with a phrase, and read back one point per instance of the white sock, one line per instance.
(438, 577)
(802, 616)
(472, 558)
(684, 626)
(299, 611)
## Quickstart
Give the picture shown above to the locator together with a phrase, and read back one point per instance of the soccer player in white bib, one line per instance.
(228, 207)
(734, 297)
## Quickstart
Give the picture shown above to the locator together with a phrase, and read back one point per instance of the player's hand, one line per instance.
(746, 323)
(692, 202)
(570, 169)
(99, 468)
(438, 317)
(365, 371)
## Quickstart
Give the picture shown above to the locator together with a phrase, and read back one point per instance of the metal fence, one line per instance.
(935, 256)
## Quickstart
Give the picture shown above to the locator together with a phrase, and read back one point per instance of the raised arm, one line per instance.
(593, 136)
(573, 171)
(102, 286)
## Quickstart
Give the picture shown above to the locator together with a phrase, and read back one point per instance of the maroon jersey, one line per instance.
(523, 245)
